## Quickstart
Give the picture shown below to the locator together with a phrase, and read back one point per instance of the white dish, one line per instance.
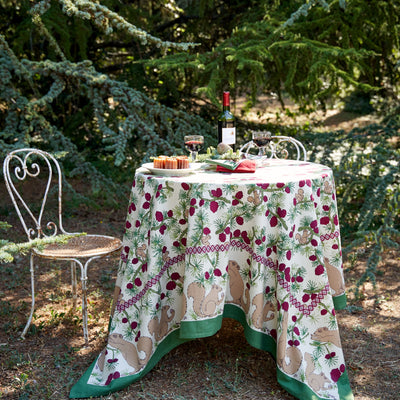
(193, 167)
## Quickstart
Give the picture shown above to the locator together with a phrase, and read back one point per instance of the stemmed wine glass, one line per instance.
(261, 139)
(194, 143)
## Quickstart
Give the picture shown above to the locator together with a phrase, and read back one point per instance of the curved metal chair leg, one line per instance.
(32, 269)
(84, 279)
(73, 282)
(84, 300)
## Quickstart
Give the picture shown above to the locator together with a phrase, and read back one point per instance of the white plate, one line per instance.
(193, 167)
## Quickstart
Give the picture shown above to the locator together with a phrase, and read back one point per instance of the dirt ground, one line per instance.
(52, 358)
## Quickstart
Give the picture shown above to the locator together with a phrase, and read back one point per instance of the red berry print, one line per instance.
(131, 208)
(335, 374)
(281, 212)
(159, 216)
(175, 276)
(171, 285)
(217, 192)
(314, 224)
(319, 270)
(239, 195)
(134, 325)
(305, 297)
(138, 282)
(324, 220)
(239, 220)
(214, 206)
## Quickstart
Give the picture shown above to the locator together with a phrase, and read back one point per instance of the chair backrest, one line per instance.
(35, 167)
(277, 148)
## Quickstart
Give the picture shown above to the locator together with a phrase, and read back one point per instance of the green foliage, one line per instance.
(313, 52)
(71, 106)
(9, 249)
(366, 165)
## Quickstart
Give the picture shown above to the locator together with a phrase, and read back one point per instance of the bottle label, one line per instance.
(229, 135)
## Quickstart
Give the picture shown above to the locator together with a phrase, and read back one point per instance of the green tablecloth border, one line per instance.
(197, 329)
(83, 390)
(340, 302)
(264, 342)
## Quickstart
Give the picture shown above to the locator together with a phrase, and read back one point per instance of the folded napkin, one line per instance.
(242, 167)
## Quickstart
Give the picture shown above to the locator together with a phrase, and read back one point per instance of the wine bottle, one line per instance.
(226, 123)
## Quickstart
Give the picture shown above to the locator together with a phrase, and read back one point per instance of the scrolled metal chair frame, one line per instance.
(274, 145)
(87, 247)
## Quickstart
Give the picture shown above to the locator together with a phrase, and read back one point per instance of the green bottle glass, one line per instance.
(226, 123)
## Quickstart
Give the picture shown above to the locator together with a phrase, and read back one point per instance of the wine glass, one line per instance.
(194, 143)
(261, 139)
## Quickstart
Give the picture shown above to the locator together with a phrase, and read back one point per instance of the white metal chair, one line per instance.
(41, 166)
(277, 149)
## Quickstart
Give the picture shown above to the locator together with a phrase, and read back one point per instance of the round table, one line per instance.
(262, 248)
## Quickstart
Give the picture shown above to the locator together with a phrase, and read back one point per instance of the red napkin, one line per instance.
(244, 166)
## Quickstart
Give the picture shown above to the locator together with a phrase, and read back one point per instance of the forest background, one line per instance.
(105, 85)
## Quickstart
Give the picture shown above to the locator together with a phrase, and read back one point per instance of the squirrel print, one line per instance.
(116, 298)
(299, 195)
(141, 251)
(236, 286)
(255, 199)
(317, 382)
(205, 239)
(263, 312)
(324, 335)
(128, 350)
(159, 328)
(304, 237)
(328, 188)
(205, 305)
(292, 353)
(335, 278)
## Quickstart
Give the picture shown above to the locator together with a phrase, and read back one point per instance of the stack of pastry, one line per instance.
(165, 162)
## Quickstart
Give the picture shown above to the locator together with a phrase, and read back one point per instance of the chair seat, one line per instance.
(81, 246)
